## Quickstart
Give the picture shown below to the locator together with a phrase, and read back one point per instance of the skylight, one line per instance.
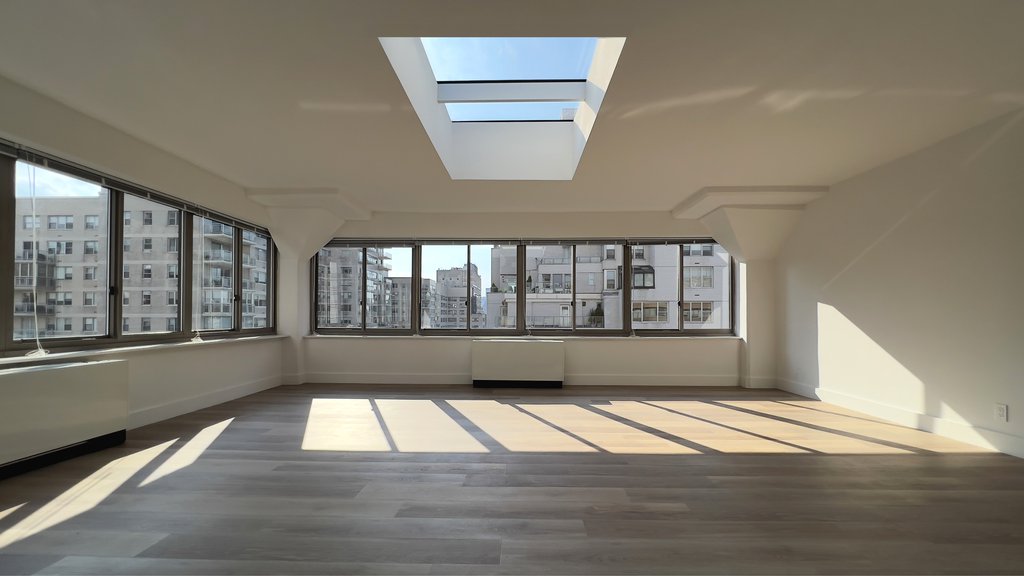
(505, 59)
(512, 111)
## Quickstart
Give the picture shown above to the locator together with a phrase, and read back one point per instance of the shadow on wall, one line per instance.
(917, 307)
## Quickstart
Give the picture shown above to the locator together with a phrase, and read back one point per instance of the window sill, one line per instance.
(522, 337)
(122, 350)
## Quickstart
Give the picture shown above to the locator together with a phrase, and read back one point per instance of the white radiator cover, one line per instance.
(518, 360)
(43, 408)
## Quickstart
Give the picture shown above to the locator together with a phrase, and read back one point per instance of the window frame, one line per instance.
(111, 250)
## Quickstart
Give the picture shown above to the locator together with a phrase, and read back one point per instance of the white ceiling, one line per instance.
(299, 93)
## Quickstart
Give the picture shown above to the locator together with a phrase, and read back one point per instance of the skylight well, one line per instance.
(506, 108)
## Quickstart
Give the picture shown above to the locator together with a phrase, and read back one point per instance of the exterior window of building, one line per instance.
(698, 250)
(172, 324)
(388, 293)
(173, 244)
(147, 217)
(610, 279)
(147, 271)
(648, 312)
(697, 312)
(126, 325)
(339, 271)
(698, 277)
(147, 244)
(172, 271)
(60, 222)
(147, 324)
(256, 249)
(643, 277)
(45, 263)
(639, 252)
(147, 298)
(609, 252)
(89, 273)
(213, 257)
(92, 247)
(127, 218)
(126, 245)
(92, 222)
(88, 298)
(548, 285)
(126, 298)
(172, 298)
(173, 218)
(89, 325)
(126, 272)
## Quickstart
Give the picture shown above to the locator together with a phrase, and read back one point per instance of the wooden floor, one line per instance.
(322, 479)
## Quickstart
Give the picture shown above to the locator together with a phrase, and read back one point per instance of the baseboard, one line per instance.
(144, 416)
(517, 383)
(962, 431)
(759, 382)
(651, 380)
(60, 454)
(799, 388)
(453, 378)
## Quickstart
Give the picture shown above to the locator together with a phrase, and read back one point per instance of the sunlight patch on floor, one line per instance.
(603, 432)
(421, 426)
(84, 495)
(189, 453)
(343, 424)
(713, 436)
(516, 431)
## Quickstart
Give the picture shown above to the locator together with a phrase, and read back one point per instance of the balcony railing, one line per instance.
(588, 259)
(216, 308)
(30, 256)
(549, 321)
(217, 255)
(217, 282)
(24, 308)
(216, 228)
(555, 260)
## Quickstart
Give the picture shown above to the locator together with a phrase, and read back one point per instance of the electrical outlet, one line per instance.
(1002, 413)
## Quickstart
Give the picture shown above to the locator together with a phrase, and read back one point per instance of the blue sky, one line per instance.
(509, 59)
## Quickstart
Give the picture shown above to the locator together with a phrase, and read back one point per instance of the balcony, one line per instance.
(217, 256)
(216, 308)
(216, 229)
(588, 259)
(25, 308)
(548, 322)
(217, 282)
(555, 260)
(30, 256)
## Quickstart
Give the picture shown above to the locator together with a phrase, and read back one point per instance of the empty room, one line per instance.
(511, 287)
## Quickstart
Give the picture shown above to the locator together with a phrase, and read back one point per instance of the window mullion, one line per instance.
(362, 292)
(115, 268)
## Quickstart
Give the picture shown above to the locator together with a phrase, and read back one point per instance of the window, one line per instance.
(60, 222)
(89, 273)
(88, 298)
(446, 284)
(46, 264)
(147, 298)
(173, 217)
(172, 324)
(126, 272)
(126, 245)
(609, 252)
(643, 277)
(600, 307)
(92, 222)
(648, 312)
(147, 324)
(256, 313)
(213, 256)
(127, 218)
(172, 298)
(147, 271)
(147, 217)
(172, 271)
(55, 247)
(126, 298)
(89, 325)
(126, 325)
(698, 276)
(639, 252)
(697, 312)
(147, 244)
(610, 279)
(698, 249)
(92, 247)
(173, 244)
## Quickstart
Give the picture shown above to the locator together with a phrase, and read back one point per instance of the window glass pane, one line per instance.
(548, 286)
(598, 306)
(154, 264)
(50, 239)
(706, 287)
(212, 265)
(255, 280)
(445, 287)
(656, 286)
(496, 265)
(389, 288)
(339, 284)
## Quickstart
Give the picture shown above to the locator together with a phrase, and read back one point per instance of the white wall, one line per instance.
(588, 361)
(899, 293)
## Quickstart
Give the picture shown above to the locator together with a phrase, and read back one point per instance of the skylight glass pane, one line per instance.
(475, 59)
(511, 111)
